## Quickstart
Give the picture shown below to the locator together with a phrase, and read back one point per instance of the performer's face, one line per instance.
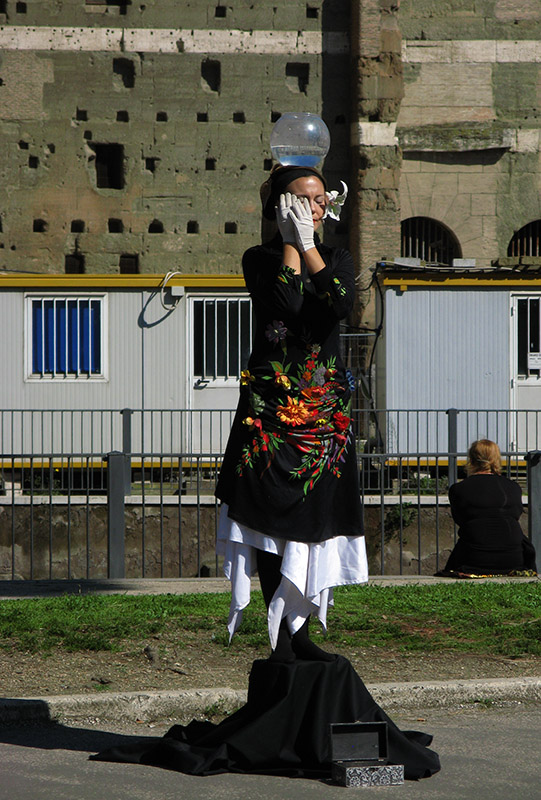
(311, 188)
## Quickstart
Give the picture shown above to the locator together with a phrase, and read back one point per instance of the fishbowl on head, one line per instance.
(300, 139)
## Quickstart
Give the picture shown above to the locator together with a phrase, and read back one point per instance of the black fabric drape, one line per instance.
(282, 729)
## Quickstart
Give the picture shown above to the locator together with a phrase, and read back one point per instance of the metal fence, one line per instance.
(81, 498)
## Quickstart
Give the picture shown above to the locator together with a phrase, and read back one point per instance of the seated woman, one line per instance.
(486, 507)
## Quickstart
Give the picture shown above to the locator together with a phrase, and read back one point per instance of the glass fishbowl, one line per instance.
(300, 139)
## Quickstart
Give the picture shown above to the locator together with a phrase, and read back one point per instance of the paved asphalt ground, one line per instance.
(486, 754)
(489, 750)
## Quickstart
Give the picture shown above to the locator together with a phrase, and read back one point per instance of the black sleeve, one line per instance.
(335, 286)
(514, 499)
(528, 554)
(275, 286)
(456, 505)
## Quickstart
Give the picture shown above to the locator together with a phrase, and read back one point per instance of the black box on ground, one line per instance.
(359, 754)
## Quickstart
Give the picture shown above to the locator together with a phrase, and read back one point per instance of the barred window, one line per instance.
(429, 240)
(526, 241)
(65, 337)
(529, 337)
(222, 336)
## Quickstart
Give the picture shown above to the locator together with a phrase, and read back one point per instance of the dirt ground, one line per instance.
(165, 664)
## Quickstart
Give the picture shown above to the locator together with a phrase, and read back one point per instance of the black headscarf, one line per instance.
(278, 181)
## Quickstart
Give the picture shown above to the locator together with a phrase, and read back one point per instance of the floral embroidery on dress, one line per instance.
(286, 274)
(276, 331)
(312, 416)
(339, 287)
(246, 377)
(294, 413)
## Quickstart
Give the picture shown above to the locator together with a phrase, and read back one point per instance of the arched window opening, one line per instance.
(429, 240)
(526, 241)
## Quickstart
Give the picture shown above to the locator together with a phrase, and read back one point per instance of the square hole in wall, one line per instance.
(33, 162)
(275, 116)
(51, 148)
(20, 8)
(156, 226)
(210, 164)
(129, 264)
(297, 76)
(312, 12)
(40, 226)
(161, 116)
(230, 227)
(239, 116)
(109, 163)
(115, 225)
(77, 226)
(267, 164)
(211, 75)
(192, 226)
(122, 116)
(150, 164)
(124, 72)
(23, 145)
(220, 12)
(87, 135)
(81, 114)
(202, 116)
(74, 264)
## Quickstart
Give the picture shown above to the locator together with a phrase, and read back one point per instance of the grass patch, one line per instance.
(501, 619)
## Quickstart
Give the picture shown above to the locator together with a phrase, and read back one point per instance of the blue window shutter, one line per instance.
(72, 343)
(65, 336)
(48, 335)
(84, 337)
(37, 337)
(61, 336)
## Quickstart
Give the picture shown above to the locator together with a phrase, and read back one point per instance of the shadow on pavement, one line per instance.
(55, 736)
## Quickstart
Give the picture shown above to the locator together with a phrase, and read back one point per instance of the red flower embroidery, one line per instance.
(341, 422)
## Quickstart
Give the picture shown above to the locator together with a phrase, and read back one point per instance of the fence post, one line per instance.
(126, 444)
(533, 461)
(452, 443)
(116, 523)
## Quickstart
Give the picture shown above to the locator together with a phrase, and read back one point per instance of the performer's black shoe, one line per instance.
(305, 649)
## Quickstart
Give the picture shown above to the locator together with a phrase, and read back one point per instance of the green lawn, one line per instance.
(486, 618)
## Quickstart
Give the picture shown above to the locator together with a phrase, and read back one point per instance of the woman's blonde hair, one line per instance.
(484, 455)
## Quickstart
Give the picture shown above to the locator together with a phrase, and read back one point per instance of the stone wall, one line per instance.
(48, 538)
(470, 119)
(61, 541)
(135, 136)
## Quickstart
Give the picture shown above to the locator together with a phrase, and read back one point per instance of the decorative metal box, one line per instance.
(359, 754)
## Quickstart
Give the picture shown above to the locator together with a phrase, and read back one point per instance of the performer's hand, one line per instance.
(301, 216)
(283, 218)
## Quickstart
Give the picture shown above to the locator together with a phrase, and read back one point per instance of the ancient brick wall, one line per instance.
(135, 135)
(470, 120)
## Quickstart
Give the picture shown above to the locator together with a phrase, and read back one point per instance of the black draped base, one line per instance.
(282, 729)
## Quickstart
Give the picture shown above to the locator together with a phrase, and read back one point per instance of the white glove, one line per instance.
(285, 223)
(301, 216)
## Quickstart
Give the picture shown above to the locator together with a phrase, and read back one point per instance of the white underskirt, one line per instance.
(309, 573)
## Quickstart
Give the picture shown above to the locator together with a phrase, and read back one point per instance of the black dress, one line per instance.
(290, 469)
(487, 509)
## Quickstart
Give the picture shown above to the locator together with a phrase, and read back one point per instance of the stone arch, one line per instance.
(526, 241)
(429, 240)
